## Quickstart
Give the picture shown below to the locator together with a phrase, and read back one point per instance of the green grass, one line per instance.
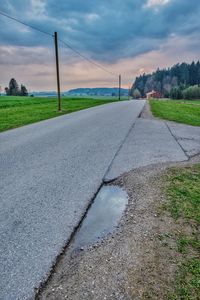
(184, 193)
(188, 281)
(19, 111)
(184, 206)
(186, 112)
(184, 242)
(194, 102)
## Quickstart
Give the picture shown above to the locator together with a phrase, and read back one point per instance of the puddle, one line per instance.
(102, 217)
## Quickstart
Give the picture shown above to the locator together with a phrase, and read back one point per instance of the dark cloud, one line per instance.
(105, 30)
(10, 55)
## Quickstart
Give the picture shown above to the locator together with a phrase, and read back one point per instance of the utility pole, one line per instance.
(120, 82)
(57, 70)
(129, 93)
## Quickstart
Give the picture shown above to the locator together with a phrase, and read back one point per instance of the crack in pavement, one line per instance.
(176, 140)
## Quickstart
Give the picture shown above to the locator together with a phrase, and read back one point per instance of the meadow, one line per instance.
(181, 111)
(17, 111)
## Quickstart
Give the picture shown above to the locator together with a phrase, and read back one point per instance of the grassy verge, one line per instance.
(19, 111)
(183, 191)
(194, 102)
(187, 112)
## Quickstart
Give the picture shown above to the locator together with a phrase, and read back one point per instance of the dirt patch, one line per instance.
(146, 112)
(138, 261)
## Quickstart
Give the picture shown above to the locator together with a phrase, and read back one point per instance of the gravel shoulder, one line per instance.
(133, 262)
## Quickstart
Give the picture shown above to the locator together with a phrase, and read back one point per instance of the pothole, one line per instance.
(102, 217)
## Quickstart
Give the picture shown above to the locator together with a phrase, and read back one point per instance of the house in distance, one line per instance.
(153, 94)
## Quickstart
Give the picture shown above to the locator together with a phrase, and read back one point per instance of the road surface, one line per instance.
(49, 173)
(149, 142)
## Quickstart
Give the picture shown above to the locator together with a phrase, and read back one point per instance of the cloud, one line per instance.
(107, 31)
(15, 56)
(81, 74)
(104, 30)
(151, 3)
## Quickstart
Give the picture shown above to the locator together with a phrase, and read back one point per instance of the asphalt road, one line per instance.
(49, 171)
(149, 142)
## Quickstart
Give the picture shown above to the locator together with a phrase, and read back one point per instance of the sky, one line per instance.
(127, 37)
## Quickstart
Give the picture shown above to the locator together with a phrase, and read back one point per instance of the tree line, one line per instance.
(180, 81)
(14, 90)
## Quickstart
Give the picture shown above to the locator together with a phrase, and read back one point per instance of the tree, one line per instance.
(193, 74)
(192, 92)
(24, 91)
(176, 93)
(7, 91)
(136, 94)
(184, 74)
(14, 90)
(164, 80)
(166, 85)
(150, 84)
(166, 94)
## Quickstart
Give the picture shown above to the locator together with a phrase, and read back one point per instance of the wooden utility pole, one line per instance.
(120, 82)
(57, 70)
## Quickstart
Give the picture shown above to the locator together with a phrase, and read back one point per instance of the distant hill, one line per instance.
(44, 94)
(97, 92)
(84, 92)
(180, 75)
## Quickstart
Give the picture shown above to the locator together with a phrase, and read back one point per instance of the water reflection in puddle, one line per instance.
(102, 217)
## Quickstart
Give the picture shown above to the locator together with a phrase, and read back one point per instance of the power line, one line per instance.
(65, 43)
(86, 58)
(25, 24)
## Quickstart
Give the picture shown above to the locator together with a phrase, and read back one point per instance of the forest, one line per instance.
(180, 81)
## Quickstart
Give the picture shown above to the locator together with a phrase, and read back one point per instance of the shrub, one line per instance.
(136, 94)
(192, 92)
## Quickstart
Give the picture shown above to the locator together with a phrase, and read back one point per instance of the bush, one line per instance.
(136, 94)
(192, 92)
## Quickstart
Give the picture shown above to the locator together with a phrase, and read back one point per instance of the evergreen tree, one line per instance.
(176, 93)
(14, 88)
(24, 91)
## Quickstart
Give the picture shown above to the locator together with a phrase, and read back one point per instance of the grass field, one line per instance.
(184, 206)
(181, 111)
(194, 102)
(19, 111)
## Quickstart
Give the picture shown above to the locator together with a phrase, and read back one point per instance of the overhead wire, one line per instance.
(67, 44)
(87, 58)
(25, 24)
